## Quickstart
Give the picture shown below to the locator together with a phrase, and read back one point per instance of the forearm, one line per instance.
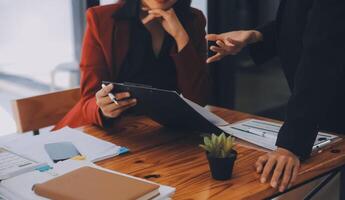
(319, 76)
(265, 48)
(182, 39)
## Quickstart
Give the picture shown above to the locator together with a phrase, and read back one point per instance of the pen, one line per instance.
(256, 132)
(261, 133)
(111, 96)
(322, 144)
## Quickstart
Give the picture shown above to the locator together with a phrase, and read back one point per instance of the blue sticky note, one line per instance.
(44, 168)
(123, 150)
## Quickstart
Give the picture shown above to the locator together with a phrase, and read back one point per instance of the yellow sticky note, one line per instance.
(78, 158)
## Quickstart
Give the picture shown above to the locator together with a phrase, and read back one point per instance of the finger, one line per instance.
(117, 112)
(287, 175)
(148, 19)
(222, 45)
(232, 50)
(268, 169)
(121, 104)
(159, 12)
(171, 11)
(105, 91)
(228, 43)
(214, 58)
(217, 50)
(122, 95)
(233, 42)
(212, 37)
(295, 173)
(278, 171)
(260, 163)
(103, 101)
(145, 8)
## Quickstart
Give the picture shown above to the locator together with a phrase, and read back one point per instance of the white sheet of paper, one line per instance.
(33, 146)
(271, 129)
(268, 127)
(214, 119)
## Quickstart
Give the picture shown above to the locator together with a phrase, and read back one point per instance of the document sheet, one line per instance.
(94, 149)
(258, 132)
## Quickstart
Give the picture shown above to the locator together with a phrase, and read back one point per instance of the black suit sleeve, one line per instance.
(318, 77)
(266, 49)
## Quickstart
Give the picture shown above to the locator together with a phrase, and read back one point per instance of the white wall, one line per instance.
(200, 4)
(35, 36)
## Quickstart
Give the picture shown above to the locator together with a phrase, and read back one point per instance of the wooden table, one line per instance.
(174, 158)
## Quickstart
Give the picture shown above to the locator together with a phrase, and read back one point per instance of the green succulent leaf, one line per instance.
(206, 148)
(207, 141)
(218, 146)
(222, 138)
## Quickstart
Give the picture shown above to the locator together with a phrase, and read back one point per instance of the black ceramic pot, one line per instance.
(221, 168)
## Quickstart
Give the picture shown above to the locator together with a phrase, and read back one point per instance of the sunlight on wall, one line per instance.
(35, 36)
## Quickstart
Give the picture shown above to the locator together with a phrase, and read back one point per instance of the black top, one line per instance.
(308, 37)
(142, 66)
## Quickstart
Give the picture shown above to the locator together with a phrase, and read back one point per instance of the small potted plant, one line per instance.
(220, 154)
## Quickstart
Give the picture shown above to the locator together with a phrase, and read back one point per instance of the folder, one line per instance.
(166, 107)
(88, 183)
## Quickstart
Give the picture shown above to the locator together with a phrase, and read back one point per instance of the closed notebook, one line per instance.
(89, 183)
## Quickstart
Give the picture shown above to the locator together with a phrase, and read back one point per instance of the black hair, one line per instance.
(132, 8)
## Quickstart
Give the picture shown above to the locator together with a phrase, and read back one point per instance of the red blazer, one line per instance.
(105, 46)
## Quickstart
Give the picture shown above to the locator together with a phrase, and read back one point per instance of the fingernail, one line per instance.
(281, 189)
(258, 170)
(134, 100)
(274, 184)
(263, 180)
(127, 94)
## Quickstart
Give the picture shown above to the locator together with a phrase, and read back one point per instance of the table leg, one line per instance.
(342, 184)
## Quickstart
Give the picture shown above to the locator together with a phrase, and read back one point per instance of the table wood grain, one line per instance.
(173, 158)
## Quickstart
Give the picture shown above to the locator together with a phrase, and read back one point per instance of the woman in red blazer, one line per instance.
(154, 42)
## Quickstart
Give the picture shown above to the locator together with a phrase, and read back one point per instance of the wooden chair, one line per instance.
(34, 113)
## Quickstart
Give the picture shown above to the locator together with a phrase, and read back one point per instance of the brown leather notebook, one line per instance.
(89, 183)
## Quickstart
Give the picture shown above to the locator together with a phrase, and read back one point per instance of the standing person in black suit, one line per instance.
(309, 38)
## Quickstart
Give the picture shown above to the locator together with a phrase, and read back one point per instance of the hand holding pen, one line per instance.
(112, 106)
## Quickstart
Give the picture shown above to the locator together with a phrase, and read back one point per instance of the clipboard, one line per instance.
(166, 107)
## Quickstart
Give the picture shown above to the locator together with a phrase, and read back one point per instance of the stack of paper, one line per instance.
(265, 134)
(20, 187)
(31, 146)
(258, 132)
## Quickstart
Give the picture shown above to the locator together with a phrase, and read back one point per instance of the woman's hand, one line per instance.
(108, 108)
(284, 166)
(231, 43)
(171, 24)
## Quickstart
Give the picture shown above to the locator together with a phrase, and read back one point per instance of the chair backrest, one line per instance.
(37, 112)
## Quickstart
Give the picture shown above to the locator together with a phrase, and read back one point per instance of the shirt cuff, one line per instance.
(95, 112)
(266, 49)
(184, 54)
(297, 137)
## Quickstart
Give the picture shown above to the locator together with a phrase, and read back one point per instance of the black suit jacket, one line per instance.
(309, 38)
